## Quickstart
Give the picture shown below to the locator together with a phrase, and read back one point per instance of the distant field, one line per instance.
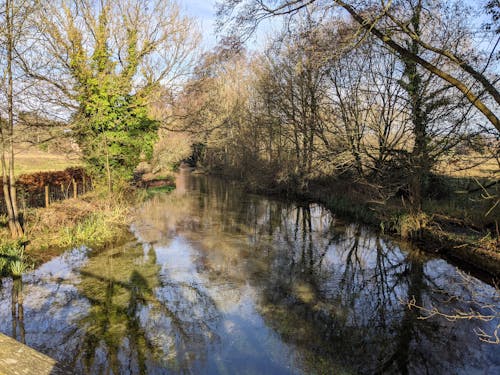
(32, 160)
(470, 166)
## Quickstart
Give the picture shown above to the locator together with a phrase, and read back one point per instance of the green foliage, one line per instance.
(12, 259)
(114, 128)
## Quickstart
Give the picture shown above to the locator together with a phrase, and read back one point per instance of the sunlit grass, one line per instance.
(32, 160)
(97, 230)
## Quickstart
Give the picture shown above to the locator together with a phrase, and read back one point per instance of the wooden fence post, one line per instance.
(47, 196)
(75, 189)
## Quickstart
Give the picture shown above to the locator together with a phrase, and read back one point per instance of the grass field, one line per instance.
(31, 160)
(470, 166)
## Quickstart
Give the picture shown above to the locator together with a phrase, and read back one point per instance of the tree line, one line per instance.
(374, 92)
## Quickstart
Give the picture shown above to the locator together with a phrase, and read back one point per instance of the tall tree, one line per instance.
(109, 58)
(15, 18)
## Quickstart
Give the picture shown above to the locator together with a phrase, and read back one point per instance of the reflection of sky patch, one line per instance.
(63, 267)
(177, 261)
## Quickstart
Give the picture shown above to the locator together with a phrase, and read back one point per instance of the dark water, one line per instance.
(219, 282)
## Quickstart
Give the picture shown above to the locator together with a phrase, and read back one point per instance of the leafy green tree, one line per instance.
(109, 59)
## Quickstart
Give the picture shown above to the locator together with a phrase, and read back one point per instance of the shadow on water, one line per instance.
(222, 282)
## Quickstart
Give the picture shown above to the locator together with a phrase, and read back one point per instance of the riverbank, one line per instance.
(97, 219)
(459, 232)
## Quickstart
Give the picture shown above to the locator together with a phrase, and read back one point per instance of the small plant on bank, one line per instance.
(17, 268)
(13, 261)
(407, 225)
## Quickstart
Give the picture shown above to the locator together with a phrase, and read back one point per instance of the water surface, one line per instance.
(222, 282)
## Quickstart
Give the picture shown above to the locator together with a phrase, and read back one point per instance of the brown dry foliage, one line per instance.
(36, 181)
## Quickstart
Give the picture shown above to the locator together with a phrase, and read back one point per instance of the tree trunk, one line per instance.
(108, 168)
(420, 168)
(9, 182)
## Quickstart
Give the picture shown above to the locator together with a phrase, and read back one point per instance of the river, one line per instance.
(218, 281)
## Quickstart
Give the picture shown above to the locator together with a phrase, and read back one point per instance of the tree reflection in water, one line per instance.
(225, 282)
(18, 331)
(133, 323)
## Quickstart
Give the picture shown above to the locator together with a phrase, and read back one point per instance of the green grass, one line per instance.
(148, 193)
(97, 230)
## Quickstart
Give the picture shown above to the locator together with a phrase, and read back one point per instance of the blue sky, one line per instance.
(204, 12)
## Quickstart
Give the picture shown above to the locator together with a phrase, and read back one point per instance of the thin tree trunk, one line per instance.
(8, 178)
(108, 168)
(6, 195)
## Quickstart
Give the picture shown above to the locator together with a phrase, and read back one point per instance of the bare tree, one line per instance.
(15, 23)
(389, 21)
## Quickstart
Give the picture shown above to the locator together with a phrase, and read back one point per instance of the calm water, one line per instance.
(220, 282)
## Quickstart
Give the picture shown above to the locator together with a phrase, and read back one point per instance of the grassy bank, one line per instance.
(97, 220)
(461, 233)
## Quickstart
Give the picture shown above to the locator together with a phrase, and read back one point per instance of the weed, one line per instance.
(17, 268)
(407, 225)
(13, 261)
